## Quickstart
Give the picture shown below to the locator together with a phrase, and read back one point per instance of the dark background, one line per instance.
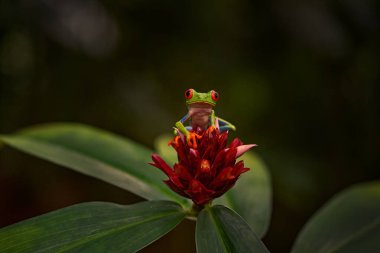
(299, 78)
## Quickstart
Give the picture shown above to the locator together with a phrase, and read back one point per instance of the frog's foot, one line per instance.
(192, 139)
(210, 130)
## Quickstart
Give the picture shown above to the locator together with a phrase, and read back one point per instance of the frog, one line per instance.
(201, 115)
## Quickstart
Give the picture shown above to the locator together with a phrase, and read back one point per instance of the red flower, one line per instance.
(206, 168)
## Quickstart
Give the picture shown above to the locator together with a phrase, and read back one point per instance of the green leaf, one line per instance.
(348, 223)
(96, 153)
(220, 229)
(251, 197)
(93, 227)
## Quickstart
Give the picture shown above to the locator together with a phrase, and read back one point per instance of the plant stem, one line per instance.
(192, 214)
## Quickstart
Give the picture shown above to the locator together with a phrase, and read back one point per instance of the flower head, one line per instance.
(207, 168)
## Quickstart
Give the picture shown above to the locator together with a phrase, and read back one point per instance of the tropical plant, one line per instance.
(233, 222)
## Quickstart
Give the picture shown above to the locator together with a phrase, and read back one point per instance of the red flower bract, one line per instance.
(206, 169)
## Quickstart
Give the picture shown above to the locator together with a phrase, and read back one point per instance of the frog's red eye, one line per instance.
(189, 93)
(214, 95)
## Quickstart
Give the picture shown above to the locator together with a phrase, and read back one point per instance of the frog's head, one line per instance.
(197, 98)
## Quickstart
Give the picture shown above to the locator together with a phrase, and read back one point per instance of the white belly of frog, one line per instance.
(200, 117)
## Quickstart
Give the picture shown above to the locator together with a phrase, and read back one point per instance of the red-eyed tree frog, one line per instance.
(201, 115)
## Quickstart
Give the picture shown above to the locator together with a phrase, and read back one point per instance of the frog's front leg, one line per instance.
(213, 123)
(212, 118)
(191, 137)
(181, 128)
(224, 125)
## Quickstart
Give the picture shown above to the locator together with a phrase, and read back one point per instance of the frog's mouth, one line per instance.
(200, 104)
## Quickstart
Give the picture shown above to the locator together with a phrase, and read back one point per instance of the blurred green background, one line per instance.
(299, 78)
